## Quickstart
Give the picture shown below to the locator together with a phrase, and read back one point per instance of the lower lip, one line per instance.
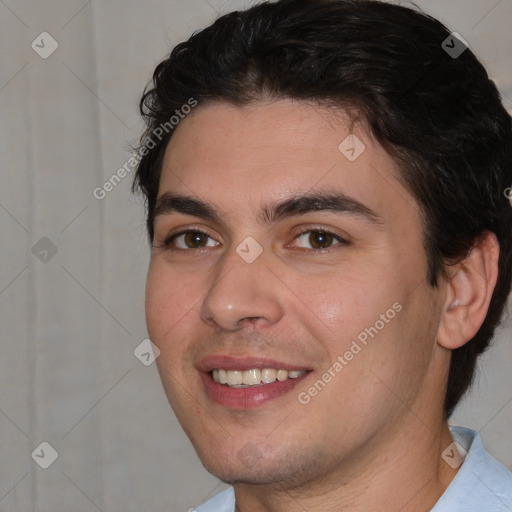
(247, 398)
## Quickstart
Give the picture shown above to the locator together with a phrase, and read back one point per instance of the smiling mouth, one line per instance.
(253, 377)
(248, 383)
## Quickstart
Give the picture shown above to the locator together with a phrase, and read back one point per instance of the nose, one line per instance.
(242, 294)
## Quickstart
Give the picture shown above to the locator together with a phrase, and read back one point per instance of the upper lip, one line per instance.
(226, 362)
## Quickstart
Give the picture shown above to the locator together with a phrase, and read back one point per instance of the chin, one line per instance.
(249, 476)
(253, 468)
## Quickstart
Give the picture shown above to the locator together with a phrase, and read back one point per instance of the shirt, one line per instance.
(481, 484)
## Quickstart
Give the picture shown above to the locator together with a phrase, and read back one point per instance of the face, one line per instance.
(287, 292)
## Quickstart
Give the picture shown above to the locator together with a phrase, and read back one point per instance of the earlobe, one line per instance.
(468, 293)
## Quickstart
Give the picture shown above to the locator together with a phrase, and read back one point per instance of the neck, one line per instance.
(405, 471)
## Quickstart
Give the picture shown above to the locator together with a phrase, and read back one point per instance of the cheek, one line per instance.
(346, 303)
(398, 358)
(366, 318)
(171, 303)
(170, 296)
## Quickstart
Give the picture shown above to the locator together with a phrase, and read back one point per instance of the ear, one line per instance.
(468, 293)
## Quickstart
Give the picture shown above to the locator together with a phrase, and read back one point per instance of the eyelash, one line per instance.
(170, 239)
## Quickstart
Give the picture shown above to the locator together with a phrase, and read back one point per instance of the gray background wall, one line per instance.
(70, 321)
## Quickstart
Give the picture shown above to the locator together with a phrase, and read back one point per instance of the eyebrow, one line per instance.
(337, 202)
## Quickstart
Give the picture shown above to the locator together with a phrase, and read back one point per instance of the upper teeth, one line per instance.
(253, 377)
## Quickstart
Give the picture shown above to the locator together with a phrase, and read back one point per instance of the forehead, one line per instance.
(239, 158)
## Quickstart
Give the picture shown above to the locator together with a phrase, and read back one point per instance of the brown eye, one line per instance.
(194, 239)
(318, 239)
(190, 240)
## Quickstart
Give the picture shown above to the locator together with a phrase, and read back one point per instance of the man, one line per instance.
(331, 251)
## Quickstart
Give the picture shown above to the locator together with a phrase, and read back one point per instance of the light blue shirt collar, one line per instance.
(482, 484)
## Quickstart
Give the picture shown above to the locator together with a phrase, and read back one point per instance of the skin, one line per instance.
(372, 438)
